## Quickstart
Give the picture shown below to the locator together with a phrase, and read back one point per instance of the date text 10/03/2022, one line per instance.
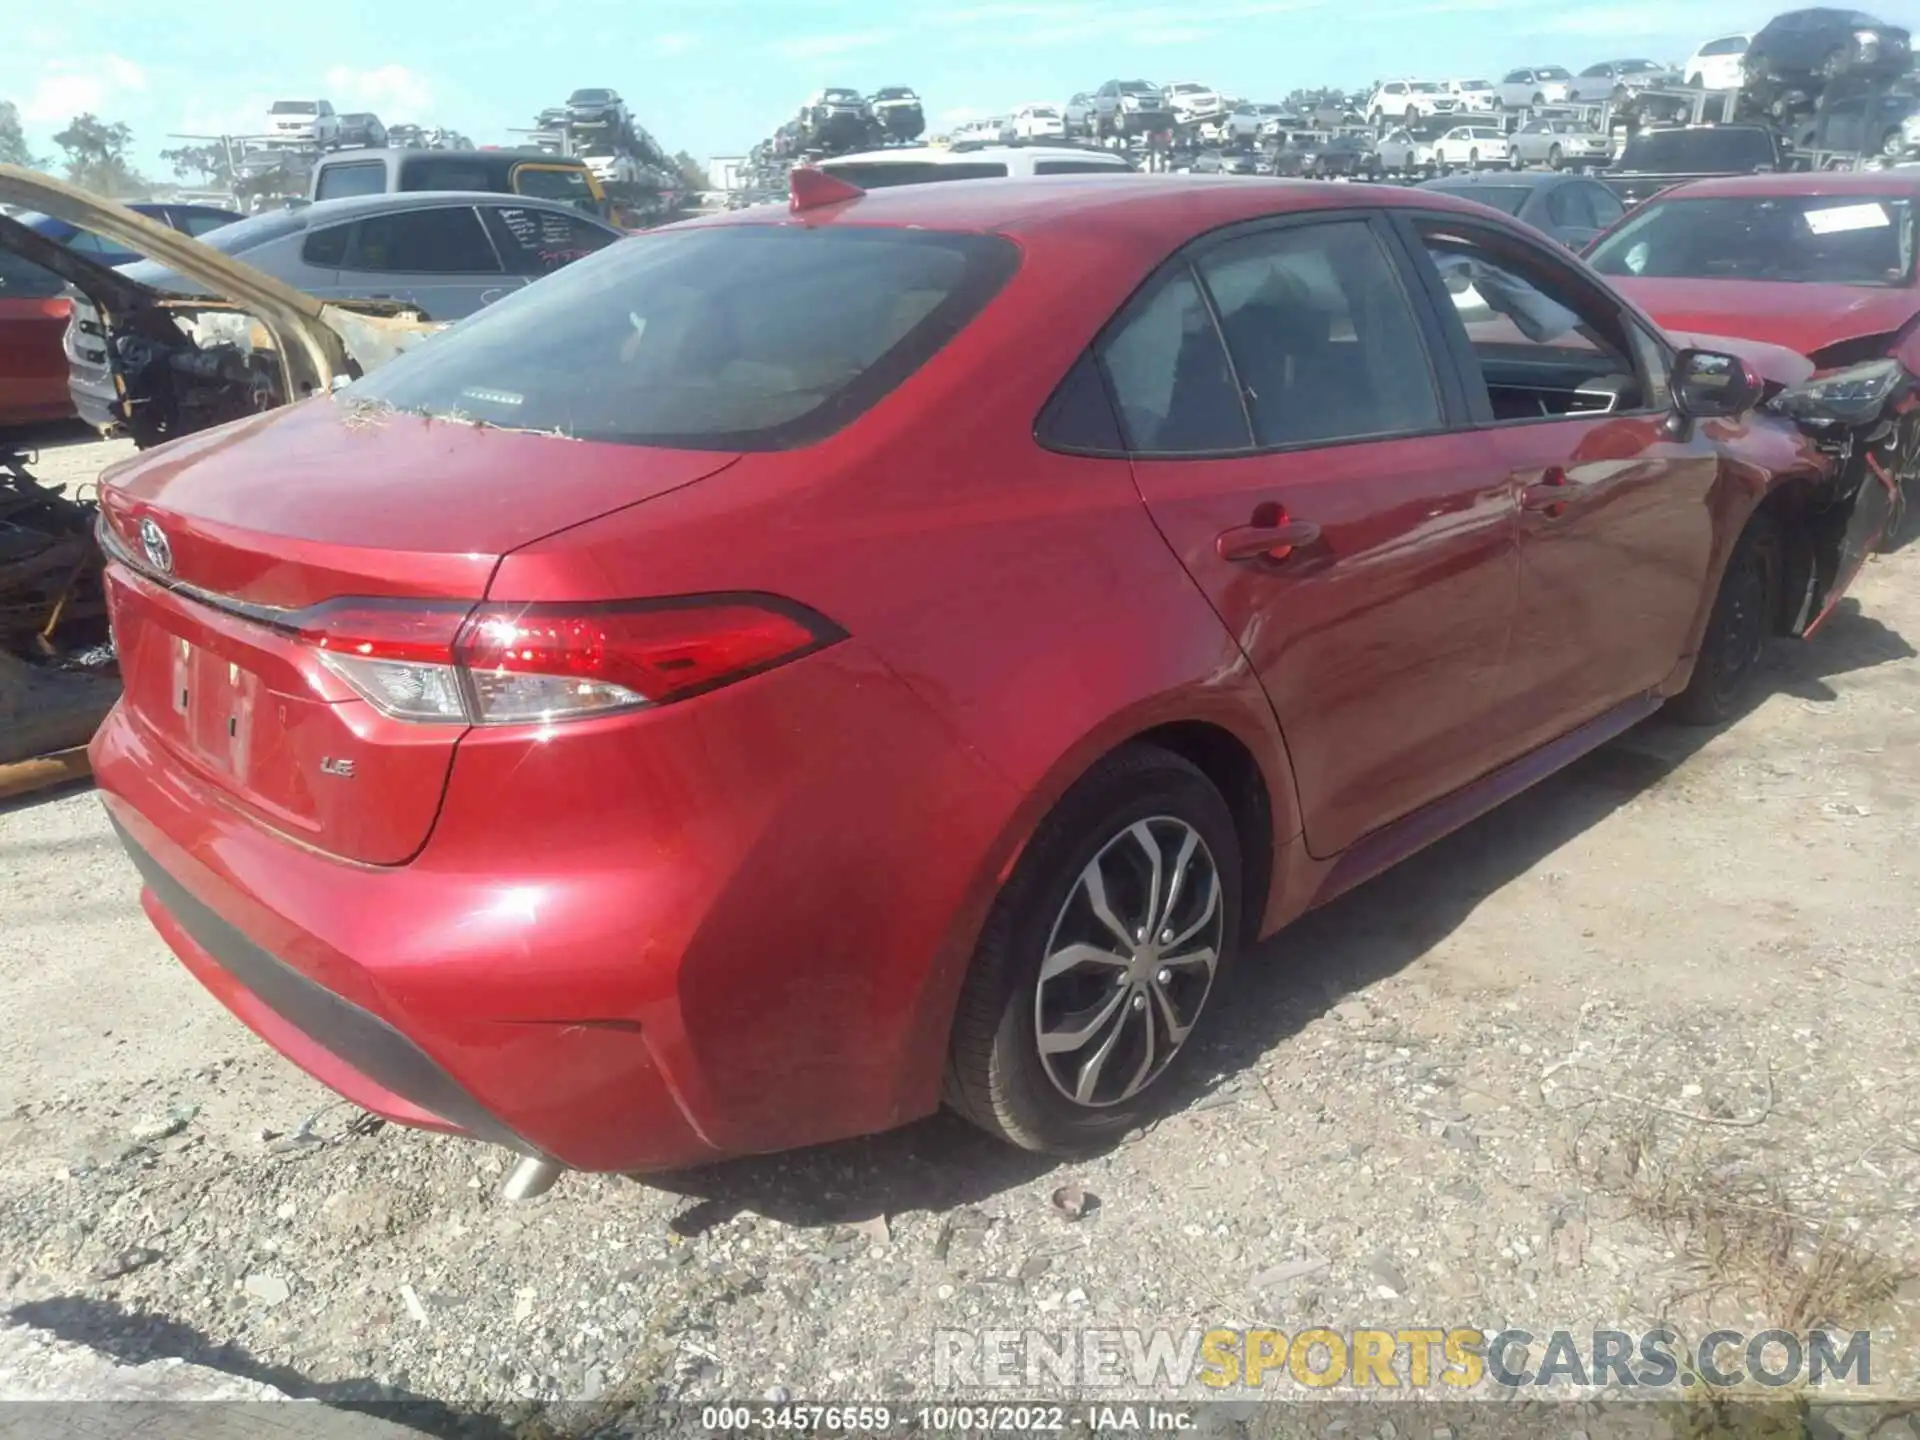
(944, 1419)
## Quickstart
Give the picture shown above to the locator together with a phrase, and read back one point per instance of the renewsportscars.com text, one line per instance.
(1458, 1360)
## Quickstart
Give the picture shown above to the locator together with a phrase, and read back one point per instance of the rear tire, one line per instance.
(1134, 1000)
(1737, 630)
(1556, 158)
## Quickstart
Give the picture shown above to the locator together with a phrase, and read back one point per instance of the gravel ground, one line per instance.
(1638, 1045)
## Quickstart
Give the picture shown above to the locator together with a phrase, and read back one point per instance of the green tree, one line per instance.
(13, 140)
(209, 162)
(692, 172)
(96, 154)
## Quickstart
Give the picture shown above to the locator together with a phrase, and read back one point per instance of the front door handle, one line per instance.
(1265, 542)
(1548, 495)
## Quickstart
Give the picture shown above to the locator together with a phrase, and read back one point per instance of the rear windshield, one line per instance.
(552, 183)
(295, 107)
(359, 177)
(883, 174)
(1824, 239)
(1509, 198)
(727, 338)
(1709, 148)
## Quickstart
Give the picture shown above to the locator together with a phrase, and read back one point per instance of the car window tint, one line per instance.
(538, 242)
(1544, 343)
(730, 338)
(198, 222)
(883, 174)
(21, 279)
(339, 181)
(1322, 337)
(1169, 374)
(446, 175)
(1568, 205)
(1606, 205)
(1077, 167)
(88, 243)
(551, 182)
(327, 248)
(446, 240)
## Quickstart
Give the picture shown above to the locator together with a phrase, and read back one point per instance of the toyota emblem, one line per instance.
(153, 540)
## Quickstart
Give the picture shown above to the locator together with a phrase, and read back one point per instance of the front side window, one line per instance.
(1544, 344)
(1810, 239)
(447, 240)
(723, 338)
(1323, 339)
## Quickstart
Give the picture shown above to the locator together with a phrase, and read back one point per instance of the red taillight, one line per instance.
(494, 664)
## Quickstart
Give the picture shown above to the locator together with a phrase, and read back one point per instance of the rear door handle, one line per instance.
(1265, 542)
(1547, 495)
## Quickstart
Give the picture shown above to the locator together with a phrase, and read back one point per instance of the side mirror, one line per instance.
(1711, 385)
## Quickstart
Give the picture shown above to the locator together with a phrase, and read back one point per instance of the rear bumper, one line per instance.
(634, 951)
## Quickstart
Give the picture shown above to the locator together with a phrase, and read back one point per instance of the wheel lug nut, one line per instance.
(1139, 1002)
(1166, 937)
(1165, 977)
(1139, 935)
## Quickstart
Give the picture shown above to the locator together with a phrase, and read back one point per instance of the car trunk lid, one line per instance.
(223, 544)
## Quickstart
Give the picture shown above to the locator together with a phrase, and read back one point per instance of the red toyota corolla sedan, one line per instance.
(795, 666)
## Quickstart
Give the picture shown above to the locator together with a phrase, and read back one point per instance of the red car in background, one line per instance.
(1821, 262)
(33, 366)
(790, 668)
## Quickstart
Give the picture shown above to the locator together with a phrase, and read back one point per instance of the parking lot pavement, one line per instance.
(1636, 1045)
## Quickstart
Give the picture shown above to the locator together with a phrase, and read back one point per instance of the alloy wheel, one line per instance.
(1129, 963)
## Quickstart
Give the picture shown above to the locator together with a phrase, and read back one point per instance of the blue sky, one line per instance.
(713, 76)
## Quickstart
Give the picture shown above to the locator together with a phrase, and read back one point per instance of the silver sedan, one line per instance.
(1559, 143)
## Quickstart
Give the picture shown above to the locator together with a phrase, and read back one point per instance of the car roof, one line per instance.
(1802, 182)
(1160, 211)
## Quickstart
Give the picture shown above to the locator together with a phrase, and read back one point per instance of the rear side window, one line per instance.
(361, 178)
(723, 338)
(443, 241)
(884, 174)
(1169, 375)
(538, 242)
(327, 248)
(21, 279)
(1076, 167)
(1324, 341)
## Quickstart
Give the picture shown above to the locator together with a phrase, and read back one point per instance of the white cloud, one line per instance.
(817, 47)
(64, 89)
(392, 91)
